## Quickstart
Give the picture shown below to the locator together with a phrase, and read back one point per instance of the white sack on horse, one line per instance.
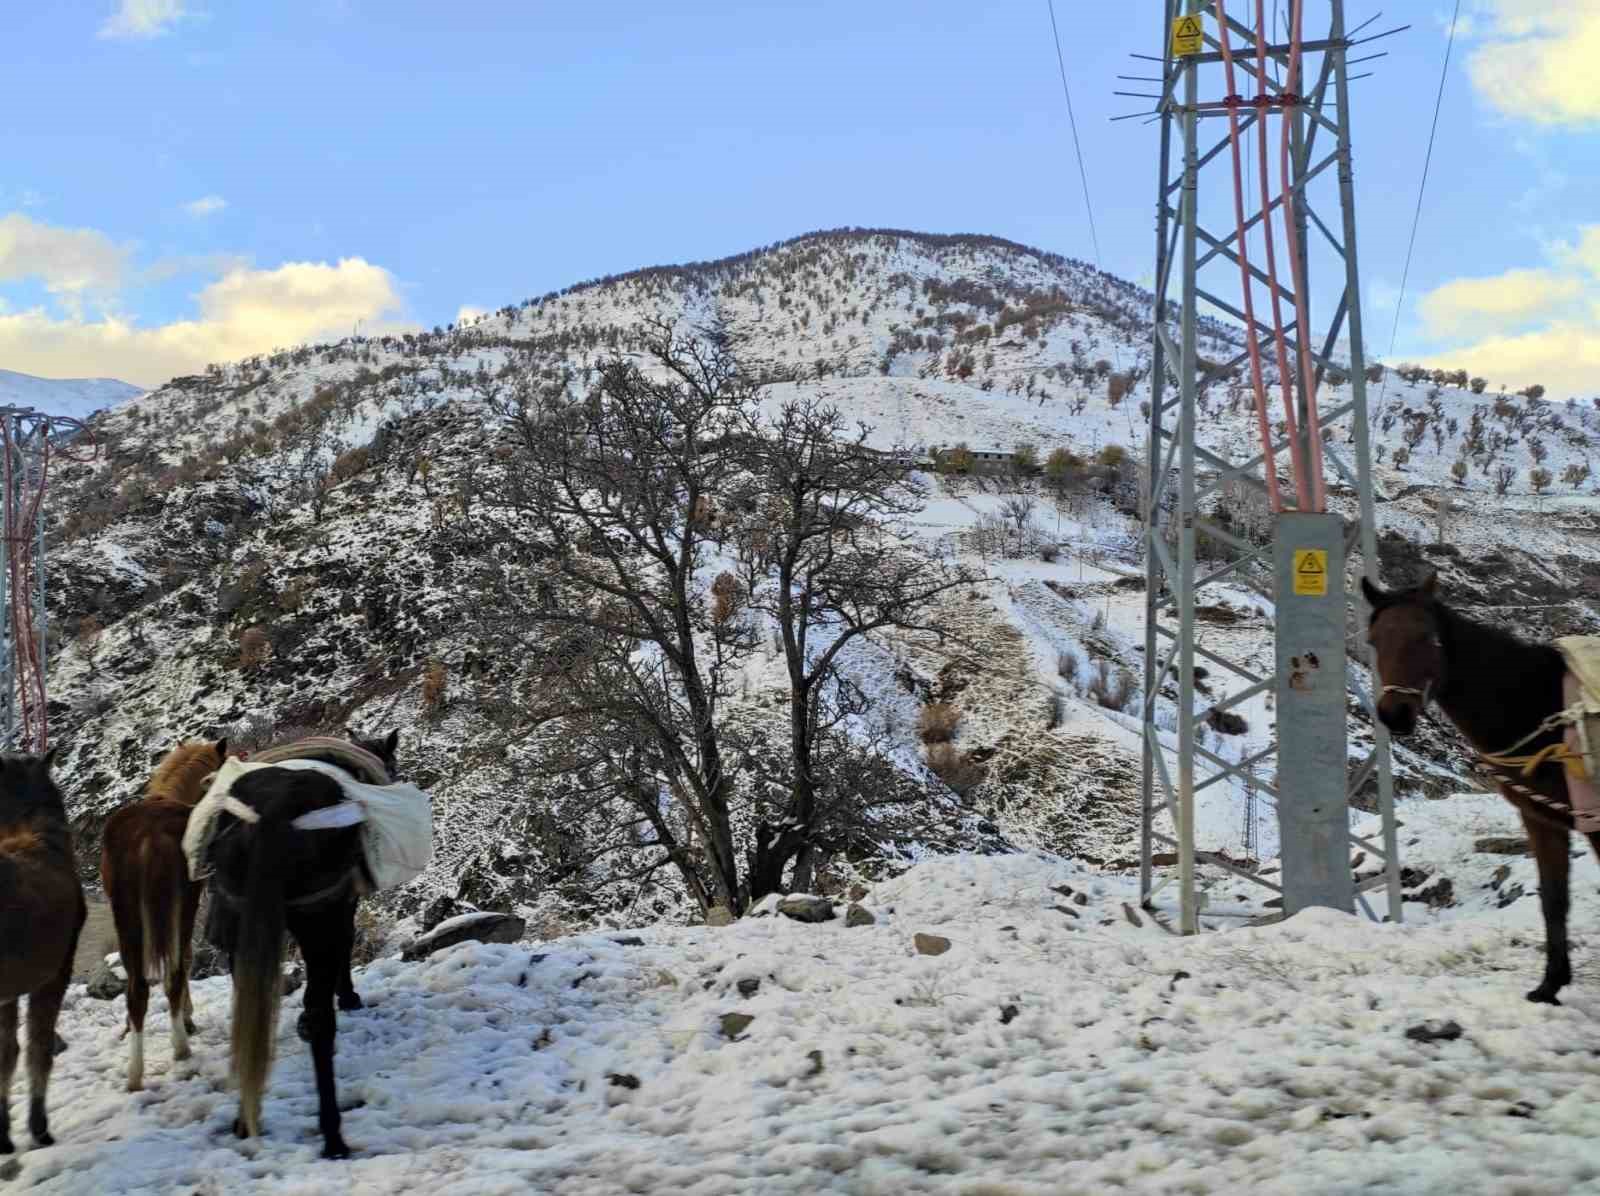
(396, 820)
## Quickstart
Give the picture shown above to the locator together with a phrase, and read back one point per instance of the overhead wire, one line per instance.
(1422, 190)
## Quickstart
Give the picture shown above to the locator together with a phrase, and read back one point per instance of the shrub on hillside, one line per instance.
(956, 769)
(938, 721)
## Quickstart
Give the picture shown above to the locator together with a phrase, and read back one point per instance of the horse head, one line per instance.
(26, 786)
(1406, 632)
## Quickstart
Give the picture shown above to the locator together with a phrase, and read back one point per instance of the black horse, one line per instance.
(1502, 693)
(270, 878)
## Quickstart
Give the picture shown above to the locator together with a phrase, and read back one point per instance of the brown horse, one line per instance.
(1502, 693)
(42, 911)
(153, 901)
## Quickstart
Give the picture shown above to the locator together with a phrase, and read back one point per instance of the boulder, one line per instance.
(720, 915)
(107, 983)
(803, 907)
(734, 1024)
(858, 916)
(467, 928)
(931, 944)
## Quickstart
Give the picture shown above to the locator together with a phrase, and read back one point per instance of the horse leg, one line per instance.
(44, 1007)
(8, 1068)
(1549, 843)
(180, 1007)
(348, 997)
(138, 1002)
(320, 950)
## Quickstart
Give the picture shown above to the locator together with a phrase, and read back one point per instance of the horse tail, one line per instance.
(258, 964)
(160, 879)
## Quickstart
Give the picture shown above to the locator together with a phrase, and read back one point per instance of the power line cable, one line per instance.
(1422, 189)
(1077, 145)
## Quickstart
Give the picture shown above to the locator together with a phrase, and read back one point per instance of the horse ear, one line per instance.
(222, 748)
(1372, 593)
(393, 741)
(49, 759)
(1430, 585)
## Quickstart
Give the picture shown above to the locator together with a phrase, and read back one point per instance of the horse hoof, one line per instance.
(1540, 996)
(188, 1024)
(6, 1146)
(43, 1138)
(302, 1028)
(336, 1149)
(349, 1001)
(239, 1130)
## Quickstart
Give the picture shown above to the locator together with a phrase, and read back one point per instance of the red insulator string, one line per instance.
(1257, 380)
(1308, 378)
(1285, 376)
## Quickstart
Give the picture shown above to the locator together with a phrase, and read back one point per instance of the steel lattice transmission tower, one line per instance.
(1189, 466)
(28, 440)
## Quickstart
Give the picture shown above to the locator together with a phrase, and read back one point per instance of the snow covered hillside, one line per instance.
(75, 397)
(1005, 1025)
(293, 540)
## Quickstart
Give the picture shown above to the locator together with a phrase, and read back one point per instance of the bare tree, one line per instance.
(828, 558)
(1504, 475)
(617, 490)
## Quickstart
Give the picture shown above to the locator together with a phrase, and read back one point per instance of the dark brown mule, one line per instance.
(41, 914)
(153, 901)
(1499, 691)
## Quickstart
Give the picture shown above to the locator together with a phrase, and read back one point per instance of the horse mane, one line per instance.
(1498, 686)
(181, 776)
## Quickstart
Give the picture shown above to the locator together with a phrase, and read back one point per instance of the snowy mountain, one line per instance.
(75, 397)
(292, 540)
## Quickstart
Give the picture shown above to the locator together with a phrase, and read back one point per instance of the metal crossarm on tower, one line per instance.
(1304, 771)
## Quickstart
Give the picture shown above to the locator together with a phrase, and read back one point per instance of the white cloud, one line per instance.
(246, 311)
(1536, 59)
(67, 260)
(467, 313)
(1526, 325)
(143, 18)
(206, 205)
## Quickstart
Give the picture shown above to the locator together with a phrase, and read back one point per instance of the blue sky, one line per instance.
(185, 182)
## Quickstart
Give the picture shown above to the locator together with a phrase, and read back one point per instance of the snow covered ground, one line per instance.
(1054, 1048)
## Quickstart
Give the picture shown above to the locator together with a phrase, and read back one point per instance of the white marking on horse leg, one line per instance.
(180, 1037)
(136, 1062)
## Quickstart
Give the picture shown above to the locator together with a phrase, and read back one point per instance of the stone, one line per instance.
(720, 915)
(858, 916)
(1435, 1032)
(441, 909)
(1008, 1014)
(858, 892)
(1501, 845)
(735, 1024)
(620, 1079)
(816, 1063)
(1127, 911)
(483, 927)
(105, 984)
(803, 907)
(749, 986)
(931, 944)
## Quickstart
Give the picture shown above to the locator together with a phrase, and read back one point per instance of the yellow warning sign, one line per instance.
(1186, 36)
(1311, 572)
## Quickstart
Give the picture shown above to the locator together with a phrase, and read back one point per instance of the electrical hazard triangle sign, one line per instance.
(1186, 36)
(1311, 572)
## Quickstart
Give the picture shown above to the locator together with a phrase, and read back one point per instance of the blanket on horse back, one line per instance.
(396, 819)
(1579, 750)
